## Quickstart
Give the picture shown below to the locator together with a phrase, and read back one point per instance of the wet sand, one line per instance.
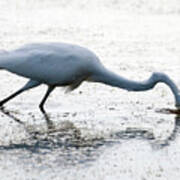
(100, 132)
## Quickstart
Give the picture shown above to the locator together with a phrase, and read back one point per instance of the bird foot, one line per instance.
(1, 104)
(1, 107)
(50, 124)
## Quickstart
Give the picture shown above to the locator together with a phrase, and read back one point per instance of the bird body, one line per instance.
(60, 64)
(53, 64)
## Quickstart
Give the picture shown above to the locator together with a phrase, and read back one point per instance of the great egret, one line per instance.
(60, 64)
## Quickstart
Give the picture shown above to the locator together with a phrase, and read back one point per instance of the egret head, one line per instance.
(161, 77)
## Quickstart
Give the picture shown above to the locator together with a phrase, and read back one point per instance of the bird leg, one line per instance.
(30, 84)
(49, 90)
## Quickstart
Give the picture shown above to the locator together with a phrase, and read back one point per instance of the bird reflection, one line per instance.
(127, 134)
(9, 113)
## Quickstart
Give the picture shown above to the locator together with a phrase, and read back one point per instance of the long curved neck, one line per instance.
(107, 77)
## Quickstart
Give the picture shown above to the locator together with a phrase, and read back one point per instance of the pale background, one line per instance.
(102, 132)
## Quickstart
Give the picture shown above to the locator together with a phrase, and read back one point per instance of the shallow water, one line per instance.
(99, 132)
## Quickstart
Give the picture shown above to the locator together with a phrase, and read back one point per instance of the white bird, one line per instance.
(60, 64)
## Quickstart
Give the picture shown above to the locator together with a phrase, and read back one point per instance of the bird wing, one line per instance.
(60, 65)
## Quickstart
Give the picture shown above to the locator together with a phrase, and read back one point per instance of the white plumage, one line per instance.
(60, 64)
